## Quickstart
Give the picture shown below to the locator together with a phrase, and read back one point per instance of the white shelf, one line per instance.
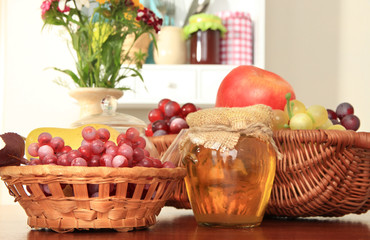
(182, 83)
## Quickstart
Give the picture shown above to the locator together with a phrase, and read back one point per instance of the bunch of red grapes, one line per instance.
(344, 115)
(168, 118)
(96, 150)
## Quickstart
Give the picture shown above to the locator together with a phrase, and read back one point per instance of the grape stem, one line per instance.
(289, 105)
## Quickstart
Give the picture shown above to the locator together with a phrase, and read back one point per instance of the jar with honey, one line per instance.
(230, 157)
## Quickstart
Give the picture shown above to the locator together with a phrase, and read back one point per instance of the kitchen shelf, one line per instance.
(194, 83)
(182, 83)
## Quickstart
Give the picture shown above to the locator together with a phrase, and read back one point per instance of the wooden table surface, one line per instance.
(178, 224)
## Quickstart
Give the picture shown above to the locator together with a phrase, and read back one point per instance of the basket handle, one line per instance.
(362, 140)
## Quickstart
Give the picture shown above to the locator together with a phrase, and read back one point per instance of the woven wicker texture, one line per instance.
(322, 173)
(128, 198)
(179, 199)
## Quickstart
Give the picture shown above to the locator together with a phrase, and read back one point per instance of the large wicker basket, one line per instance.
(322, 173)
(138, 196)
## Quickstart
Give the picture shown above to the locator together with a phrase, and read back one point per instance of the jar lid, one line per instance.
(204, 22)
(120, 121)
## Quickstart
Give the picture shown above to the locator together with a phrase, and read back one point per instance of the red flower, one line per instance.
(149, 18)
(46, 5)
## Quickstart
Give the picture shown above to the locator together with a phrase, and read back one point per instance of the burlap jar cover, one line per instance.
(221, 128)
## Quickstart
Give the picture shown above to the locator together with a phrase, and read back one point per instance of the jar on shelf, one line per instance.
(204, 31)
(230, 157)
(236, 47)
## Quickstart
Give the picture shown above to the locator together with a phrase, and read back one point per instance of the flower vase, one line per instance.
(140, 45)
(90, 99)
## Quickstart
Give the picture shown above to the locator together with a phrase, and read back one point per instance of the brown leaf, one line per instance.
(12, 154)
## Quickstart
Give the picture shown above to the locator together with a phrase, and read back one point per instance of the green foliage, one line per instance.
(98, 42)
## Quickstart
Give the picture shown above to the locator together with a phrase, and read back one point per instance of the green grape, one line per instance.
(319, 115)
(337, 127)
(296, 107)
(301, 121)
(280, 119)
(326, 125)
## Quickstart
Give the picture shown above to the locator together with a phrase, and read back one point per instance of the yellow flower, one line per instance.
(102, 1)
(135, 2)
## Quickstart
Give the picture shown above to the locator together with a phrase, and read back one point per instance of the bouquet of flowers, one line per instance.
(98, 29)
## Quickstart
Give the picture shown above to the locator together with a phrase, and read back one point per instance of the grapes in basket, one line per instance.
(95, 150)
(297, 116)
(168, 118)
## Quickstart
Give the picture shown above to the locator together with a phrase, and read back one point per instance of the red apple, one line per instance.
(249, 85)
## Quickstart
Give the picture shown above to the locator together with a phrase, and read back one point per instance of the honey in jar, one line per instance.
(228, 186)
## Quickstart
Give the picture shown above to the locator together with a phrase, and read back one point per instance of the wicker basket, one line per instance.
(322, 173)
(179, 199)
(138, 196)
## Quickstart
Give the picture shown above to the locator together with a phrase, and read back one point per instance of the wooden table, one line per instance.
(177, 224)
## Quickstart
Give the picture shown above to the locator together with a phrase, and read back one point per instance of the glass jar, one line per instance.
(228, 186)
(204, 32)
(119, 121)
(205, 47)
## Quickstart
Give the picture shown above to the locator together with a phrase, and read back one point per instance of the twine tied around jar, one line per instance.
(221, 128)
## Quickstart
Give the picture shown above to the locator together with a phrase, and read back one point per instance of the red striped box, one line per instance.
(236, 47)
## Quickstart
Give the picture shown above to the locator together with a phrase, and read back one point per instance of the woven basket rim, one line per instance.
(104, 172)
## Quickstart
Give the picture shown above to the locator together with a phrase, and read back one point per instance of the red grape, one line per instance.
(132, 134)
(112, 150)
(162, 103)
(334, 121)
(97, 146)
(50, 159)
(66, 149)
(33, 149)
(344, 109)
(148, 130)
(79, 162)
(168, 164)
(89, 133)
(187, 108)
(44, 138)
(103, 134)
(62, 160)
(157, 163)
(171, 109)
(155, 114)
(126, 150)
(120, 138)
(159, 125)
(331, 114)
(45, 150)
(138, 154)
(93, 188)
(85, 143)
(350, 122)
(178, 124)
(140, 142)
(94, 161)
(45, 189)
(57, 143)
(109, 144)
(146, 153)
(159, 133)
(120, 161)
(85, 152)
(106, 160)
(34, 161)
(72, 155)
(145, 162)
